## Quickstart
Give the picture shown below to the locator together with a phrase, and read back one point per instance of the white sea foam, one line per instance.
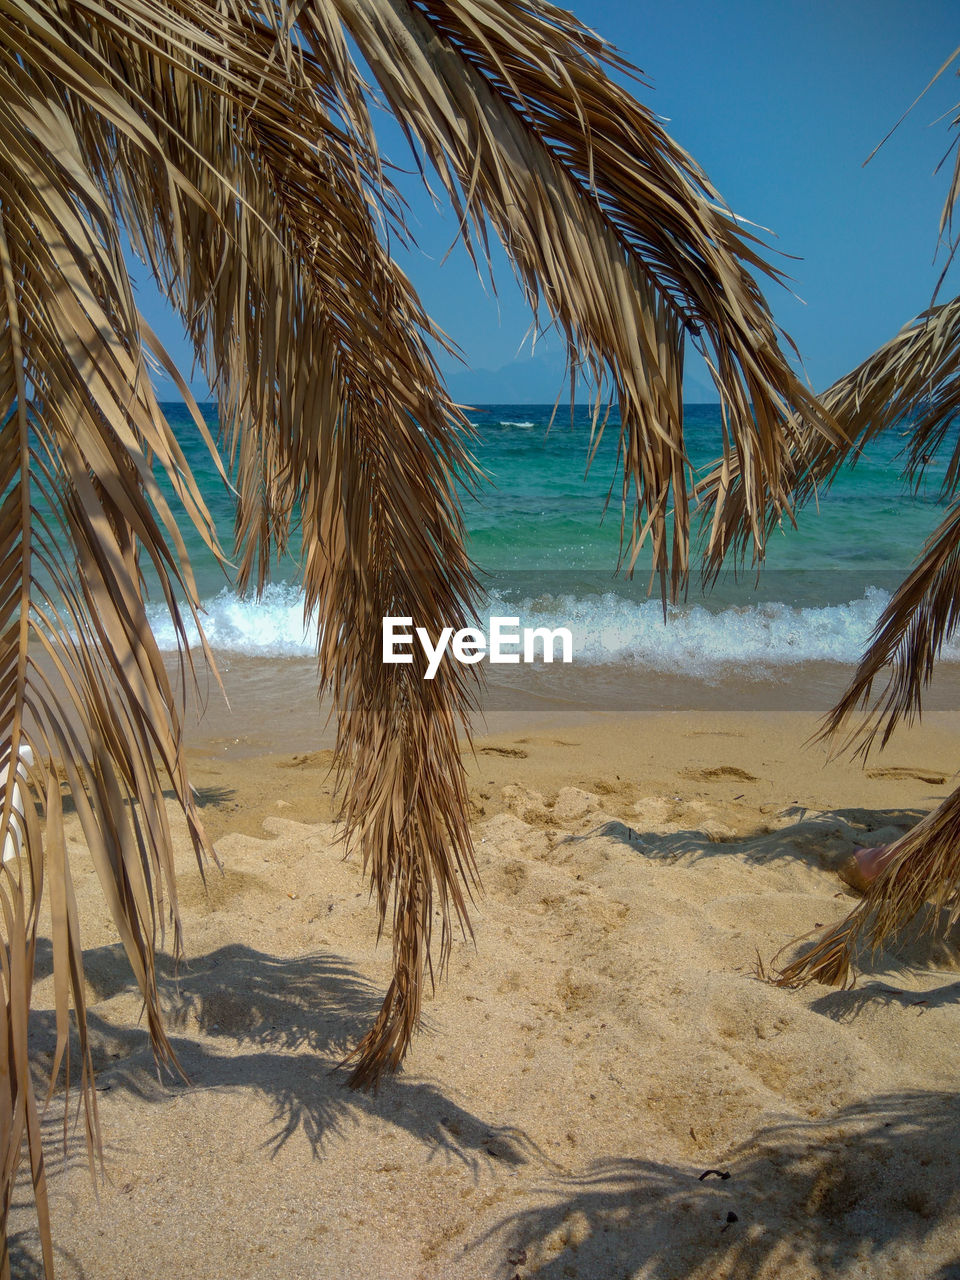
(606, 629)
(272, 627)
(507, 423)
(698, 641)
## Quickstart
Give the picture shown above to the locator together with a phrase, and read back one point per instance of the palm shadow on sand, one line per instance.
(298, 1017)
(811, 1196)
(819, 838)
(295, 1016)
(846, 1005)
(824, 840)
(818, 1197)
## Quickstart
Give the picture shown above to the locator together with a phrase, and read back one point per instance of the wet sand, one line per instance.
(267, 705)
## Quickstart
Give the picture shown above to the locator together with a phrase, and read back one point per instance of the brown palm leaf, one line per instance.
(924, 870)
(901, 657)
(82, 683)
(912, 381)
(235, 146)
(346, 423)
(612, 228)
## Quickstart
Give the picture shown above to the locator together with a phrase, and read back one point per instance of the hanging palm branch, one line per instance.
(82, 683)
(612, 229)
(912, 381)
(235, 147)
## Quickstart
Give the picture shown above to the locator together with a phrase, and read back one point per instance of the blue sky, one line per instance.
(781, 104)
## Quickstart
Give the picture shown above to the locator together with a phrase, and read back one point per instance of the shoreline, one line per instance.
(271, 703)
(738, 759)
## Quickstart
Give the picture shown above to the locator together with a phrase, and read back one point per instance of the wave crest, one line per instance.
(607, 629)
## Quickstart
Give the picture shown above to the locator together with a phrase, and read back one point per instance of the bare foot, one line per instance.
(862, 868)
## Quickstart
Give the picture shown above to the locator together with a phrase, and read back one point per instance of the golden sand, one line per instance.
(605, 1086)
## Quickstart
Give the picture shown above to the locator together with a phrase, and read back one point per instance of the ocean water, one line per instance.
(548, 555)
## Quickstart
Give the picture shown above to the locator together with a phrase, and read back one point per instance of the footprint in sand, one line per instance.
(516, 753)
(307, 760)
(713, 733)
(722, 771)
(933, 777)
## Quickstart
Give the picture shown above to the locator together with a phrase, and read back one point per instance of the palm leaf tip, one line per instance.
(827, 960)
(922, 875)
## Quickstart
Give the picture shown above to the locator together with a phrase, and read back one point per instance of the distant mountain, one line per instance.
(540, 380)
(537, 380)
(698, 387)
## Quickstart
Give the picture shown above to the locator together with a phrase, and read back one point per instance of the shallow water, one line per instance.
(547, 556)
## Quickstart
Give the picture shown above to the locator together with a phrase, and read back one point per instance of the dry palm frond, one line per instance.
(347, 419)
(235, 146)
(919, 368)
(345, 423)
(920, 619)
(947, 234)
(912, 381)
(924, 868)
(82, 682)
(613, 230)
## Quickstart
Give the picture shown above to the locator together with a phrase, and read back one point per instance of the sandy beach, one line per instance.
(590, 353)
(605, 1087)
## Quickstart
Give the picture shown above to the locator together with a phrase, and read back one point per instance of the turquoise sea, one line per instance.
(548, 555)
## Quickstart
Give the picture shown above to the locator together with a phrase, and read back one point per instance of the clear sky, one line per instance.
(781, 103)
